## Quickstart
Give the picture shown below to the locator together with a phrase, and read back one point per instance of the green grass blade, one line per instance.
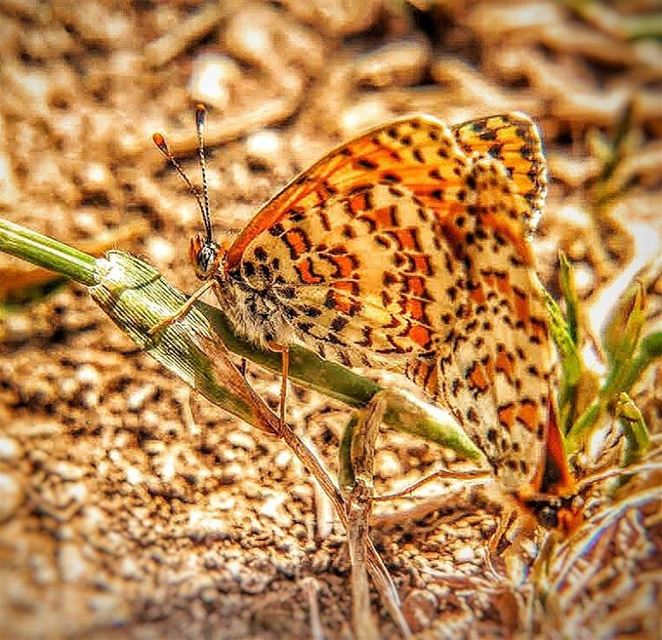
(48, 253)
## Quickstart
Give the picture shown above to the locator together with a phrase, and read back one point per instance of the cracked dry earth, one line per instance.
(129, 506)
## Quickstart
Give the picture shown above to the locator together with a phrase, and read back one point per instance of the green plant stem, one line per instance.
(48, 253)
(637, 438)
(650, 348)
(583, 426)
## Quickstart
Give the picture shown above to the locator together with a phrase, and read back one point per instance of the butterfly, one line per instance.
(407, 249)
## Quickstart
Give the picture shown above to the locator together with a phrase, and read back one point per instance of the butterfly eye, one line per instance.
(548, 517)
(204, 256)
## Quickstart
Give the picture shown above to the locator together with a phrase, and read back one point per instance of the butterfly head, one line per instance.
(206, 255)
(563, 515)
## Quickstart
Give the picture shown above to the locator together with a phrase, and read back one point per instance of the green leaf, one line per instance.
(623, 329)
(570, 297)
(637, 440)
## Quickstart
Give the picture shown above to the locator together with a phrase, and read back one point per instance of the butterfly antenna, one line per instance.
(200, 114)
(162, 146)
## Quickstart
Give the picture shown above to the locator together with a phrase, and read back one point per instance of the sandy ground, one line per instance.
(130, 507)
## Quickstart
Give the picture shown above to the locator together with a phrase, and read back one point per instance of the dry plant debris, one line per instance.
(128, 506)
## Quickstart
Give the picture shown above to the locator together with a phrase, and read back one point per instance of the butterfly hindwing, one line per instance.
(495, 373)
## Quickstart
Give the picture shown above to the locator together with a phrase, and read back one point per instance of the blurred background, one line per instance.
(124, 509)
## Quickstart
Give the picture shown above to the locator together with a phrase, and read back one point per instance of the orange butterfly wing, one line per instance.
(407, 247)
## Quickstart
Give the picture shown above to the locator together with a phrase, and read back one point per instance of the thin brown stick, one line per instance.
(312, 588)
(486, 476)
(359, 500)
(613, 473)
(420, 510)
(378, 572)
(183, 34)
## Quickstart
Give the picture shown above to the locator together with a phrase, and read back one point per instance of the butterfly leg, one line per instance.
(182, 311)
(284, 351)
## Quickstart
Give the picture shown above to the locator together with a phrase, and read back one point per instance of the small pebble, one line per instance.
(387, 464)
(11, 496)
(137, 399)
(128, 568)
(271, 507)
(77, 491)
(96, 178)
(572, 215)
(89, 399)
(153, 447)
(133, 475)
(464, 554)
(231, 473)
(66, 470)
(241, 440)
(584, 278)
(88, 375)
(19, 325)
(160, 250)
(87, 223)
(265, 147)
(213, 78)
(152, 420)
(10, 449)
(283, 459)
(168, 468)
(248, 36)
(71, 563)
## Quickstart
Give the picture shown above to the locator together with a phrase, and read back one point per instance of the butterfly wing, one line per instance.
(495, 372)
(418, 151)
(407, 248)
(354, 276)
(513, 140)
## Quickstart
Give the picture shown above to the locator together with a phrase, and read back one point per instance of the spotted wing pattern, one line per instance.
(406, 248)
(494, 372)
(513, 140)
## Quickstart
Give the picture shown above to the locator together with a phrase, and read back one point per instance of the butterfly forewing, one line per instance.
(420, 152)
